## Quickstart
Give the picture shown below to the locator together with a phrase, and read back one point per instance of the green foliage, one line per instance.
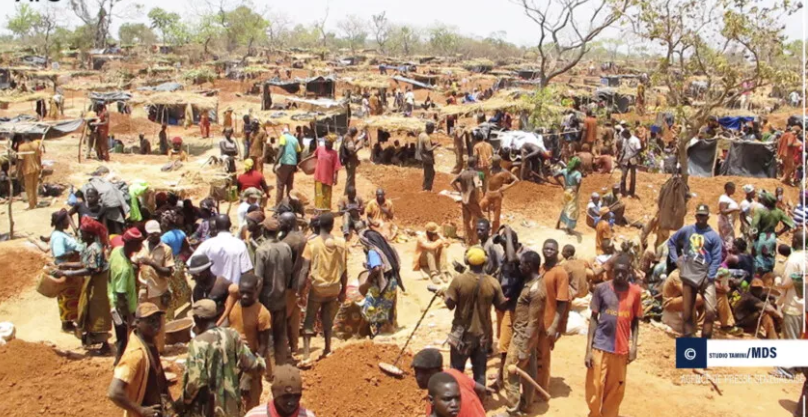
(245, 27)
(443, 40)
(547, 106)
(24, 20)
(136, 34)
(163, 21)
(199, 75)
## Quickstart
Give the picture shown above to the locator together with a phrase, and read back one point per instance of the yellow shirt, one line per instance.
(374, 212)
(329, 260)
(133, 369)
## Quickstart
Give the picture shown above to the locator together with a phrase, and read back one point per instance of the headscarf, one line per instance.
(768, 199)
(58, 217)
(176, 140)
(574, 163)
(95, 228)
(248, 164)
(374, 240)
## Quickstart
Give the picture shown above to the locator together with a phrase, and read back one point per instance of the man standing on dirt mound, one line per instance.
(425, 152)
(696, 251)
(468, 185)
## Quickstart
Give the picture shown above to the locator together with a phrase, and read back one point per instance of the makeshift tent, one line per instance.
(750, 159)
(620, 101)
(177, 108)
(428, 79)
(164, 87)
(701, 157)
(27, 125)
(415, 84)
(527, 74)
(318, 86)
(797, 120)
(328, 115)
(735, 122)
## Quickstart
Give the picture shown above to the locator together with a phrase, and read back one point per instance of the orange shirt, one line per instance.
(32, 160)
(558, 289)
(249, 321)
(603, 230)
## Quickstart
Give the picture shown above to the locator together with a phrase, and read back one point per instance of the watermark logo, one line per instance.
(690, 354)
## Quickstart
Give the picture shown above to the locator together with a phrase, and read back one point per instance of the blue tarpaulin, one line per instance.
(734, 122)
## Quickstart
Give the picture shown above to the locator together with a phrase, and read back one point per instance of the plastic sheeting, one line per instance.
(414, 83)
(734, 122)
(514, 139)
(701, 157)
(26, 126)
(111, 96)
(165, 87)
(750, 159)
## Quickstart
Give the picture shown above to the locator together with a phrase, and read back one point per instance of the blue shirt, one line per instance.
(63, 245)
(374, 259)
(697, 241)
(174, 239)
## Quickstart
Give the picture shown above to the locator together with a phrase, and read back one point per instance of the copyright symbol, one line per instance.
(690, 354)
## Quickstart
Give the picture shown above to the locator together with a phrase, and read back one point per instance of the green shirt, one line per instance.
(121, 279)
(215, 359)
(766, 220)
(289, 149)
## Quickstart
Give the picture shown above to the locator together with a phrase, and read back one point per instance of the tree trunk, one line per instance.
(683, 164)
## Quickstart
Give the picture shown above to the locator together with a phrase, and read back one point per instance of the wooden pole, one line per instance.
(10, 196)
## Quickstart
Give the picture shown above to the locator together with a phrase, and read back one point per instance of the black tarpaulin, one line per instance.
(750, 159)
(27, 127)
(701, 157)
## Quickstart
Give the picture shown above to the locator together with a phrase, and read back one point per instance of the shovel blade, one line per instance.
(390, 369)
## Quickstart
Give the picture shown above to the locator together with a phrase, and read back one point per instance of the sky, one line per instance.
(470, 17)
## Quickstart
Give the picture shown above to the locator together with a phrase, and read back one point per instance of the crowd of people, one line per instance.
(276, 277)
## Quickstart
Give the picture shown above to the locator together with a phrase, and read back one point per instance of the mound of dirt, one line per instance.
(125, 125)
(350, 383)
(19, 268)
(412, 206)
(36, 380)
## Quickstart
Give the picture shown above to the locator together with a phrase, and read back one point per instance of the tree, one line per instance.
(278, 30)
(136, 33)
(99, 20)
(321, 32)
(443, 40)
(563, 38)
(45, 27)
(696, 37)
(246, 27)
(353, 27)
(163, 21)
(381, 29)
(22, 23)
(405, 38)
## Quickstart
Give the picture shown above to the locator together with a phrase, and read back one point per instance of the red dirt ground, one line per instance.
(350, 384)
(413, 207)
(37, 381)
(19, 268)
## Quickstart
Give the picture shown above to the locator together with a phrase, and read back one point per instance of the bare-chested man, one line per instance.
(501, 180)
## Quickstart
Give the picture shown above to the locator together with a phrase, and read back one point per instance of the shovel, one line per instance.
(393, 369)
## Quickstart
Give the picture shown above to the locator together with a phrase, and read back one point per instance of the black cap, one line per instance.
(428, 359)
(703, 209)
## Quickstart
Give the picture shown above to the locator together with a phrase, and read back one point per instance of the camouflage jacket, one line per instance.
(215, 359)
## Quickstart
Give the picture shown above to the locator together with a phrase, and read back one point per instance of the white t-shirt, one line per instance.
(794, 268)
(591, 206)
(409, 97)
(631, 147)
(241, 213)
(731, 205)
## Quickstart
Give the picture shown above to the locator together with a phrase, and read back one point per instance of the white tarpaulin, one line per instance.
(514, 139)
